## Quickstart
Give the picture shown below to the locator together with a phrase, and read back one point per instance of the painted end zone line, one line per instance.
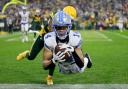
(96, 36)
(104, 36)
(120, 35)
(64, 86)
(95, 40)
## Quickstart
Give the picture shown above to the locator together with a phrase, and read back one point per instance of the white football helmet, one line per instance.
(24, 7)
(61, 24)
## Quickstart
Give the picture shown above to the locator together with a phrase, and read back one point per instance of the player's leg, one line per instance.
(34, 28)
(51, 69)
(121, 27)
(30, 55)
(37, 46)
(26, 26)
(34, 36)
(87, 63)
(37, 27)
(22, 55)
(23, 33)
(80, 63)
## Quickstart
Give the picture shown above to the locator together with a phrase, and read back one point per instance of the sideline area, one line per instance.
(64, 86)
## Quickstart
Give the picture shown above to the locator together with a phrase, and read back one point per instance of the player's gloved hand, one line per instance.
(58, 57)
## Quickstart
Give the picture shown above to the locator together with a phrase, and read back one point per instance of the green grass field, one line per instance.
(108, 51)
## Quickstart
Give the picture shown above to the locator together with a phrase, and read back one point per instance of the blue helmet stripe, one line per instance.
(61, 15)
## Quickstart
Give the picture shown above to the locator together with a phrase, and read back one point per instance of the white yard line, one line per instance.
(96, 40)
(120, 35)
(97, 36)
(103, 35)
(17, 40)
(64, 86)
(12, 39)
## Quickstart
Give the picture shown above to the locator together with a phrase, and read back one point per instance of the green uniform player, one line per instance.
(36, 23)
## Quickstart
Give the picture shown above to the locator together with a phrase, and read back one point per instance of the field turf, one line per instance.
(108, 51)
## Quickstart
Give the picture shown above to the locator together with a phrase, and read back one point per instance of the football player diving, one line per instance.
(71, 41)
(39, 43)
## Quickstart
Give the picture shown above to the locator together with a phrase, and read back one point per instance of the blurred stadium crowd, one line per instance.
(92, 14)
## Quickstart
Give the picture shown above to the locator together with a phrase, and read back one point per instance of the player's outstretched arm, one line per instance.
(30, 55)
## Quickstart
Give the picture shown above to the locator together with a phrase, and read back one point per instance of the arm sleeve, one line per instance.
(77, 60)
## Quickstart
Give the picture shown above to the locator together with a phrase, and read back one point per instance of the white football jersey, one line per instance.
(50, 40)
(69, 66)
(24, 17)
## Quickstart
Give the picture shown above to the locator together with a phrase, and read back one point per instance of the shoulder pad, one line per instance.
(76, 39)
(49, 40)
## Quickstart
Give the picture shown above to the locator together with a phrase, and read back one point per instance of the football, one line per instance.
(59, 48)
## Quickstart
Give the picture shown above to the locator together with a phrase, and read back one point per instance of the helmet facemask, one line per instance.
(61, 24)
(62, 31)
(24, 9)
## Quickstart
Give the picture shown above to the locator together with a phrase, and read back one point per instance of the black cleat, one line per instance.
(89, 65)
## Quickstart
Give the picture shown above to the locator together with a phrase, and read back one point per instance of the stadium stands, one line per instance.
(92, 14)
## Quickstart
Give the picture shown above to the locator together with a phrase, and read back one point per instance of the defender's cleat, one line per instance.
(22, 55)
(49, 80)
(89, 65)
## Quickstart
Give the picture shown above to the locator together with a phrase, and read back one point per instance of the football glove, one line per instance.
(58, 57)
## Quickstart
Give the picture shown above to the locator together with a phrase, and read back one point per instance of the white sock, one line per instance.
(85, 65)
(26, 38)
(85, 61)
